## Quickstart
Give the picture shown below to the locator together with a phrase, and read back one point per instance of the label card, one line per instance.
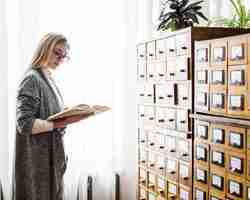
(217, 157)
(219, 54)
(202, 77)
(237, 77)
(200, 195)
(202, 55)
(218, 77)
(218, 135)
(184, 195)
(234, 187)
(237, 52)
(184, 171)
(200, 153)
(218, 100)
(201, 175)
(235, 139)
(172, 188)
(217, 181)
(235, 164)
(202, 131)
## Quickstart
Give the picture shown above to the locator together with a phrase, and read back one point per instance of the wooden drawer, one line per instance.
(248, 166)
(143, 138)
(161, 187)
(145, 93)
(218, 78)
(143, 158)
(202, 76)
(237, 78)
(236, 139)
(172, 188)
(184, 149)
(152, 196)
(214, 196)
(149, 116)
(236, 163)
(218, 52)
(143, 177)
(201, 130)
(171, 145)
(151, 72)
(200, 193)
(218, 135)
(171, 51)
(160, 71)
(201, 176)
(160, 165)
(171, 69)
(166, 117)
(166, 94)
(235, 188)
(248, 190)
(185, 193)
(172, 169)
(248, 141)
(218, 158)
(201, 99)
(142, 194)
(184, 95)
(237, 103)
(202, 54)
(217, 183)
(152, 182)
(141, 71)
(185, 173)
(183, 42)
(151, 53)
(182, 120)
(160, 142)
(151, 142)
(237, 53)
(201, 153)
(218, 101)
(161, 49)
(151, 160)
(141, 52)
(182, 68)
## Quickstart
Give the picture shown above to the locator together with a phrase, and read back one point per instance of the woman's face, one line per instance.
(56, 56)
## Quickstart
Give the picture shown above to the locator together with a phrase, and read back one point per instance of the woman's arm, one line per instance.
(40, 126)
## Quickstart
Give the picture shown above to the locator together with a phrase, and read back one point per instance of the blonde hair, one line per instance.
(46, 45)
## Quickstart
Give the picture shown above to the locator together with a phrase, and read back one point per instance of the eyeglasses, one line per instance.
(61, 54)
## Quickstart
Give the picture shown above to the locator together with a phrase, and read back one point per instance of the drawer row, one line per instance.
(222, 52)
(164, 117)
(169, 167)
(161, 49)
(165, 142)
(173, 94)
(177, 68)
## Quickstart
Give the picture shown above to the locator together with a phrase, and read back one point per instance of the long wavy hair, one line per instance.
(46, 45)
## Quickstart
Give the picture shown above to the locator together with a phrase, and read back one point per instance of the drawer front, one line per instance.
(172, 190)
(202, 54)
(165, 94)
(182, 68)
(201, 176)
(248, 141)
(171, 70)
(235, 188)
(237, 103)
(143, 138)
(141, 71)
(171, 51)
(236, 164)
(218, 135)
(143, 158)
(161, 49)
(200, 194)
(141, 52)
(160, 71)
(201, 130)
(151, 51)
(172, 169)
(248, 190)
(149, 94)
(142, 194)
(237, 53)
(143, 177)
(201, 99)
(248, 166)
(171, 145)
(185, 193)
(219, 53)
(161, 187)
(151, 72)
(185, 173)
(236, 139)
(202, 76)
(160, 142)
(218, 76)
(182, 120)
(237, 78)
(182, 44)
(166, 117)
(148, 116)
(152, 160)
(151, 140)
(217, 183)
(184, 149)
(152, 196)
(218, 102)
(218, 158)
(201, 153)
(160, 165)
(184, 95)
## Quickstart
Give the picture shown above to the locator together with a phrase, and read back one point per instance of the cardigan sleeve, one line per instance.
(28, 103)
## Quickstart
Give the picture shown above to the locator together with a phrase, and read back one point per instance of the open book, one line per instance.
(81, 109)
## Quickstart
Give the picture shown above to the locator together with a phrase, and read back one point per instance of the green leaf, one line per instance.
(202, 16)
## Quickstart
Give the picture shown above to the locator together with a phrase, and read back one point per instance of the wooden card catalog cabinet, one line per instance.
(171, 145)
(166, 117)
(236, 163)
(217, 135)
(166, 94)
(142, 177)
(184, 149)
(201, 153)
(218, 102)
(202, 54)
(172, 169)
(202, 99)
(237, 53)
(143, 138)
(201, 176)
(151, 160)
(184, 95)
(161, 49)
(142, 194)
(182, 42)
(185, 193)
(152, 196)
(201, 130)
(182, 68)
(143, 158)
(218, 182)
(161, 187)
(235, 188)
(160, 165)
(185, 173)
(152, 182)
(200, 194)
(182, 120)
(219, 52)
(160, 142)
(160, 71)
(236, 139)
(172, 190)
(218, 157)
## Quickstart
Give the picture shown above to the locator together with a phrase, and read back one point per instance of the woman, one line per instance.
(39, 154)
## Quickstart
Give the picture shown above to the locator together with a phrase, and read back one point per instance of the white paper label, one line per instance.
(236, 76)
(217, 134)
(201, 98)
(184, 195)
(217, 156)
(200, 195)
(152, 178)
(202, 131)
(234, 187)
(201, 76)
(171, 165)
(200, 174)
(217, 76)
(219, 54)
(216, 180)
(235, 163)
(202, 55)
(183, 171)
(248, 193)
(161, 183)
(172, 188)
(235, 138)
(235, 101)
(171, 142)
(217, 99)
(151, 197)
(200, 152)
(183, 146)
(236, 52)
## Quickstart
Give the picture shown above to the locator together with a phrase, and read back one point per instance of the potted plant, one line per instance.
(182, 14)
